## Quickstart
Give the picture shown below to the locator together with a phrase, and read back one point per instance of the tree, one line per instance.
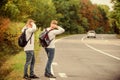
(116, 15)
(44, 12)
(96, 16)
(104, 11)
(69, 15)
(16, 9)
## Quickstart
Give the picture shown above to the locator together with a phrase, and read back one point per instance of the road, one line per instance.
(81, 58)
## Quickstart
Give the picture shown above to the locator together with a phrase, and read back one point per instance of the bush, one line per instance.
(10, 32)
(3, 27)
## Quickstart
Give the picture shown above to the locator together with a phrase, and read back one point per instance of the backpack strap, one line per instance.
(48, 32)
(30, 36)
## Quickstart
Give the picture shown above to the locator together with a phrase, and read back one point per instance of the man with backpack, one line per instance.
(29, 29)
(53, 30)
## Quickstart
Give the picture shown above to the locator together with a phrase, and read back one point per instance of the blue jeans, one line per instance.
(50, 54)
(30, 60)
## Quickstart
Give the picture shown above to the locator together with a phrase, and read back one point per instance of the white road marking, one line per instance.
(83, 38)
(63, 75)
(52, 73)
(54, 63)
(103, 52)
(117, 58)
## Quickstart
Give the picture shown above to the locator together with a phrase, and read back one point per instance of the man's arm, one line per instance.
(59, 30)
(33, 28)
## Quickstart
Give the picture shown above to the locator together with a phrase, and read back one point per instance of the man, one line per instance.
(29, 49)
(50, 50)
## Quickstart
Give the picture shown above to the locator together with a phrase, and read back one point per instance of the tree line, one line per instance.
(76, 16)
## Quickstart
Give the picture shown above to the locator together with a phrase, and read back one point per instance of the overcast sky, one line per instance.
(106, 2)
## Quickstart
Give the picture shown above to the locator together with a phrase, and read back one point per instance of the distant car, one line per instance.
(91, 34)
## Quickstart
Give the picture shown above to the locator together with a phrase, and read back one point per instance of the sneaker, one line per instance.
(34, 76)
(25, 77)
(52, 76)
(49, 75)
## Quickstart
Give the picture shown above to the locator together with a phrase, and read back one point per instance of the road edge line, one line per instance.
(100, 51)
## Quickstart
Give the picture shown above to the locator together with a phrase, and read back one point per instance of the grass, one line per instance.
(15, 64)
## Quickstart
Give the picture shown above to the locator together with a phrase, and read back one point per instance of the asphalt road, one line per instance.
(81, 58)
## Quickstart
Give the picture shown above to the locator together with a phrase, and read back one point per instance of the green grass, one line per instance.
(16, 63)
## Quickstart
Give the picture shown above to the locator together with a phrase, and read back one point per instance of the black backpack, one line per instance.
(22, 39)
(44, 38)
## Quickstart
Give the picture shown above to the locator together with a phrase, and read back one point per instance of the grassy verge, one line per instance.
(13, 65)
(17, 62)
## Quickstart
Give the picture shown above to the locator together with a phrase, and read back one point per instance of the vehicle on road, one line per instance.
(91, 34)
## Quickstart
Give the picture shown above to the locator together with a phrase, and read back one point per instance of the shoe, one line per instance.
(25, 77)
(34, 76)
(52, 76)
(49, 75)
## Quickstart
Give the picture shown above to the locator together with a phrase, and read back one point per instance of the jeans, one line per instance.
(30, 60)
(50, 54)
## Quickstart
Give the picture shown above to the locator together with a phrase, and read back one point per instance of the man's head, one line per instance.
(53, 24)
(29, 23)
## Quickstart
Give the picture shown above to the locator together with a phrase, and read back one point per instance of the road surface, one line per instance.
(81, 58)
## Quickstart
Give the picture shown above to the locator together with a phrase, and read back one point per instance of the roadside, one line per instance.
(12, 68)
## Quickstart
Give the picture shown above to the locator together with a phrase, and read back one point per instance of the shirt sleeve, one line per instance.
(59, 30)
(33, 29)
(24, 28)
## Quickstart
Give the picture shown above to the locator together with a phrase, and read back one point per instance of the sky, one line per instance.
(106, 2)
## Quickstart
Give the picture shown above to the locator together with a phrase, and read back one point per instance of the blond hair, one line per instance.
(54, 22)
(29, 21)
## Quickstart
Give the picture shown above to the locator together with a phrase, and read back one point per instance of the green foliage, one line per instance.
(84, 23)
(11, 10)
(70, 17)
(10, 37)
(99, 30)
(115, 16)
(69, 13)
(16, 9)
(44, 12)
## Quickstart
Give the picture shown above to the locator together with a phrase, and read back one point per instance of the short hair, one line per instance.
(30, 20)
(54, 22)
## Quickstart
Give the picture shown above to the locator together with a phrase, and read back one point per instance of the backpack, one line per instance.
(44, 38)
(22, 42)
